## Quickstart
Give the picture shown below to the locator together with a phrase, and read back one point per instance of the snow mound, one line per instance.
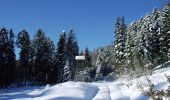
(69, 90)
(64, 91)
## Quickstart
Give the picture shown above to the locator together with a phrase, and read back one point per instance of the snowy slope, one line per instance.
(117, 90)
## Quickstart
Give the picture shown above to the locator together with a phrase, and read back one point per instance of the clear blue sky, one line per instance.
(92, 20)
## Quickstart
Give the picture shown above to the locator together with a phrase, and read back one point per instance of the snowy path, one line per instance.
(117, 90)
(110, 91)
(103, 93)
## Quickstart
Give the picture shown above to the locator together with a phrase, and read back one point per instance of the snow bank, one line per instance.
(158, 78)
(69, 90)
(64, 91)
(117, 90)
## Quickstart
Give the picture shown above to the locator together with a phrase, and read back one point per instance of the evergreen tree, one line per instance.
(129, 48)
(88, 62)
(49, 54)
(60, 59)
(24, 42)
(7, 57)
(119, 43)
(99, 74)
(72, 50)
(4, 59)
(87, 66)
(165, 33)
(67, 73)
(153, 38)
(43, 49)
(11, 57)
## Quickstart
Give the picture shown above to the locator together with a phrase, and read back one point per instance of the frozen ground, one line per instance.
(117, 90)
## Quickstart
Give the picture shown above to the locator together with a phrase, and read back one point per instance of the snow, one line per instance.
(64, 91)
(80, 57)
(121, 89)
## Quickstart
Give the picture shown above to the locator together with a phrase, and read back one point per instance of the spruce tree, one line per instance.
(3, 58)
(119, 43)
(24, 42)
(72, 50)
(153, 37)
(43, 49)
(11, 57)
(165, 33)
(60, 59)
(88, 62)
(7, 57)
(67, 73)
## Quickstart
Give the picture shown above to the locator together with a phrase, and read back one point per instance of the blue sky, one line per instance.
(92, 20)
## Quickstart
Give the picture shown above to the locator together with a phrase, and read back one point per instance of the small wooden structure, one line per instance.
(80, 62)
(80, 59)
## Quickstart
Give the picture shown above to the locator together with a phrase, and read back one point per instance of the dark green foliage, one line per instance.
(120, 39)
(7, 58)
(60, 59)
(88, 62)
(24, 42)
(72, 50)
(43, 55)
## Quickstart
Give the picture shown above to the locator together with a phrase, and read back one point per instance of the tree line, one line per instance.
(144, 43)
(39, 61)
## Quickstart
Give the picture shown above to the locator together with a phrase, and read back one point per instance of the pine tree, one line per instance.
(3, 58)
(119, 43)
(43, 49)
(129, 47)
(153, 38)
(72, 50)
(88, 62)
(87, 65)
(7, 57)
(60, 59)
(24, 42)
(165, 34)
(67, 73)
(99, 70)
(49, 56)
(11, 57)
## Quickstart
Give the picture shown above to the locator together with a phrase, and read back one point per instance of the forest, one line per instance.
(136, 49)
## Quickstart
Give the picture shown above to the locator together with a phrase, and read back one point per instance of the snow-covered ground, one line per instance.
(117, 90)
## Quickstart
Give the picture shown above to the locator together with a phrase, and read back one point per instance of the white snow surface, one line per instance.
(121, 89)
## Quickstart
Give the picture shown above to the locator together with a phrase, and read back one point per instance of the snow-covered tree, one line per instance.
(120, 38)
(165, 33)
(60, 59)
(88, 62)
(72, 50)
(43, 48)
(67, 73)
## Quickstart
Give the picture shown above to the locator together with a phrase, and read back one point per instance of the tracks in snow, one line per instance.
(110, 91)
(103, 93)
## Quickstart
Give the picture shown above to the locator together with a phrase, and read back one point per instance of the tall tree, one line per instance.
(120, 38)
(24, 42)
(165, 33)
(72, 50)
(153, 38)
(43, 49)
(3, 60)
(7, 57)
(60, 59)
(11, 57)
